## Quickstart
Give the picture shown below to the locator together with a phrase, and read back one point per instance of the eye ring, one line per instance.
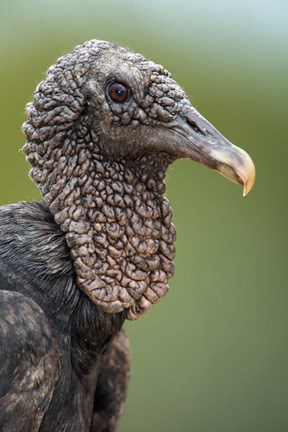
(118, 92)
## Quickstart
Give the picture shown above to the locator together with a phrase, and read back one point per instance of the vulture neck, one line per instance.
(116, 221)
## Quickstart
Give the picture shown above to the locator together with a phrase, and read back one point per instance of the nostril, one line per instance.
(195, 127)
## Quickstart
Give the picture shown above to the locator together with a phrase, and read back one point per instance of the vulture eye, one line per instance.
(118, 92)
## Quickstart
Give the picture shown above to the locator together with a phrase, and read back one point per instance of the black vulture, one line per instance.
(102, 129)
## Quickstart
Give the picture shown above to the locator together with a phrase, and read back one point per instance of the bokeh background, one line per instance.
(213, 355)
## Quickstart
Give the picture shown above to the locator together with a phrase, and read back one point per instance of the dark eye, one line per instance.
(118, 92)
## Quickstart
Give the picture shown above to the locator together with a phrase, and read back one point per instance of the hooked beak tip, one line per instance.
(248, 185)
(236, 165)
(246, 171)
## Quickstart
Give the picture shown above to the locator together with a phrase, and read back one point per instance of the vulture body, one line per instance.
(101, 132)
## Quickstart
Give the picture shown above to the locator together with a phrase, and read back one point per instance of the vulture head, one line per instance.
(101, 131)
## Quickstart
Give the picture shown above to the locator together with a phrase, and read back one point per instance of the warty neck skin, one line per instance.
(118, 228)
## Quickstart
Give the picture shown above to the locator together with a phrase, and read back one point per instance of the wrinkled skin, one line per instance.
(100, 248)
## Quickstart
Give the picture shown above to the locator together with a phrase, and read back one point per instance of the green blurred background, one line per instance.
(213, 355)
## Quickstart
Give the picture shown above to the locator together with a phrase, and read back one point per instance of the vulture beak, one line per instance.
(201, 142)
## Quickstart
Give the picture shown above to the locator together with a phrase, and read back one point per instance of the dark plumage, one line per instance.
(101, 131)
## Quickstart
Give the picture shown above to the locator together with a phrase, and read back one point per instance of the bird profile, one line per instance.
(102, 129)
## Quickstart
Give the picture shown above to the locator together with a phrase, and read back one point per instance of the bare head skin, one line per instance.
(102, 130)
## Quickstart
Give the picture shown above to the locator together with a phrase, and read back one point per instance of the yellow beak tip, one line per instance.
(250, 183)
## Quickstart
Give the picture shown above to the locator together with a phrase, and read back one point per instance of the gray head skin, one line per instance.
(102, 130)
